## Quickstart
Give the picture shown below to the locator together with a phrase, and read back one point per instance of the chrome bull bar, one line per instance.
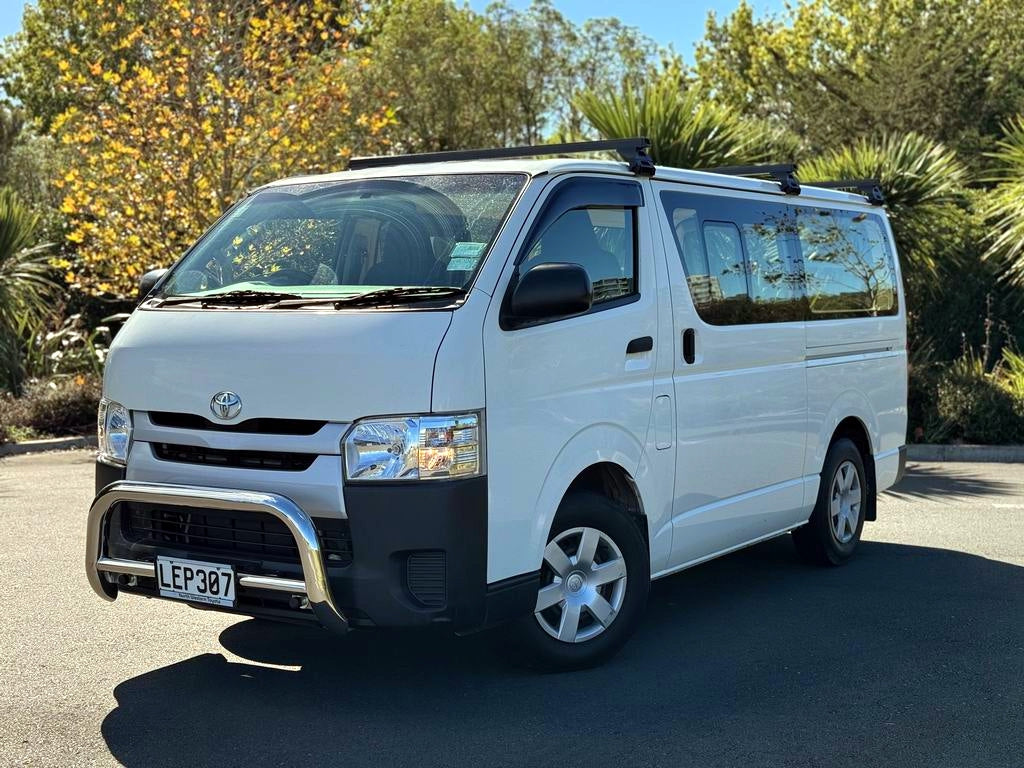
(314, 584)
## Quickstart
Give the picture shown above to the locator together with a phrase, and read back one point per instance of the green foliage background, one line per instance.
(926, 95)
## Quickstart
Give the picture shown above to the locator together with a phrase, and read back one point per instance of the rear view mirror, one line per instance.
(148, 282)
(551, 291)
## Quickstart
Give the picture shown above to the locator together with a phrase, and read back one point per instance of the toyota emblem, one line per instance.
(226, 405)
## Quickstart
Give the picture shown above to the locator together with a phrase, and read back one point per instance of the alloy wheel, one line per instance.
(845, 501)
(583, 585)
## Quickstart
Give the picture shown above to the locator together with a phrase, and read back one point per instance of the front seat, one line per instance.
(399, 261)
(572, 239)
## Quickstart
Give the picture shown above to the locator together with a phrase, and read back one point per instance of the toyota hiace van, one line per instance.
(474, 388)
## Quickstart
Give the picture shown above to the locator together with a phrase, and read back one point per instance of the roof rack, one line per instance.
(632, 150)
(870, 188)
(784, 174)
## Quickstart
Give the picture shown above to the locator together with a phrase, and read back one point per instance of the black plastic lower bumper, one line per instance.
(420, 557)
(107, 474)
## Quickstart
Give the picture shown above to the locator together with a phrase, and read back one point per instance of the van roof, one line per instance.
(560, 166)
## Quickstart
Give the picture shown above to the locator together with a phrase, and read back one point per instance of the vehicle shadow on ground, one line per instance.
(937, 481)
(907, 655)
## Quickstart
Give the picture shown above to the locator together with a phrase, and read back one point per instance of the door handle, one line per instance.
(642, 344)
(689, 346)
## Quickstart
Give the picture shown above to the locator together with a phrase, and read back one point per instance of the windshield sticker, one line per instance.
(464, 256)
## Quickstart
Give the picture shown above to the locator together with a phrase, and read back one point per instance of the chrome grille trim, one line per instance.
(326, 440)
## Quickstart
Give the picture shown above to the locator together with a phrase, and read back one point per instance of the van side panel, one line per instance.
(868, 383)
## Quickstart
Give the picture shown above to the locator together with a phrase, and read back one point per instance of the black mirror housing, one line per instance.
(148, 282)
(550, 291)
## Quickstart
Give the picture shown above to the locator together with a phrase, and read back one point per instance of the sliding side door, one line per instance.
(739, 377)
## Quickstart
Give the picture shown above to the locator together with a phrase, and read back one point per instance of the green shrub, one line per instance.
(26, 284)
(924, 425)
(10, 416)
(69, 349)
(977, 407)
(60, 406)
(1011, 372)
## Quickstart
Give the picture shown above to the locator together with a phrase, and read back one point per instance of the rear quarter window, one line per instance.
(740, 257)
(753, 260)
(848, 264)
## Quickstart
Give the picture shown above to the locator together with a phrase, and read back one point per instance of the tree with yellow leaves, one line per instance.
(172, 109)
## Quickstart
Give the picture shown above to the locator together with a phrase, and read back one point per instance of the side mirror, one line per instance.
(549, 291)
(148, 282)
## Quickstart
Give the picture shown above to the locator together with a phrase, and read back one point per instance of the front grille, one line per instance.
(252, 426)
(230, 535)
(281, 461)
(425, 577)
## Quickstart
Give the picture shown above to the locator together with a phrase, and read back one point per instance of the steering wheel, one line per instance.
(288, 276)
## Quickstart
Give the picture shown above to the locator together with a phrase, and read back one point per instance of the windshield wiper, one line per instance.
(245, 298)
(399, 295)
(381, 297)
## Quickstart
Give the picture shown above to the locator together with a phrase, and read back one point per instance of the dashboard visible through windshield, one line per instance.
(340, 240)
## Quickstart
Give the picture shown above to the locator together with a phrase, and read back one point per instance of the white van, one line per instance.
(460, 389)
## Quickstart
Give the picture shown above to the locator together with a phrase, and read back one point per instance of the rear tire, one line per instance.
(833, 532)
(594, 584)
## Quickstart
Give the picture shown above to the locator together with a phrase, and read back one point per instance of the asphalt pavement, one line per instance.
(911, 655)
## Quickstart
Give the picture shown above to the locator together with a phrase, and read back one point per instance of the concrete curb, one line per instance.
(53, 444)
(1003, 454)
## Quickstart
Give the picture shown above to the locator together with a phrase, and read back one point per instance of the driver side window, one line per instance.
(601, 240)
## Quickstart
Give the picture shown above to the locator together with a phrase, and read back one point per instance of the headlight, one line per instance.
(114, 432)
(414, 448)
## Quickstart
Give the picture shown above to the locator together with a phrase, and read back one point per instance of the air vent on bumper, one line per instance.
(426, 578)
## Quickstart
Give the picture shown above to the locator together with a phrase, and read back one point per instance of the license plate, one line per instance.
(197, 582)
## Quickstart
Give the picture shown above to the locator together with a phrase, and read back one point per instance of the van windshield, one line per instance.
(344, 239)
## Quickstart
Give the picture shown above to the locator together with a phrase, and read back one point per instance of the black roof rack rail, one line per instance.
(783, 173)
(632, 150)
(870, 188)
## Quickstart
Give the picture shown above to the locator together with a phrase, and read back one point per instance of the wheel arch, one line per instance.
(602, 458)
(613, 481)
(852, 409)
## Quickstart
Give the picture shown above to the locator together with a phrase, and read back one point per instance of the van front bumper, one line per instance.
(418, 556)
(313, 586)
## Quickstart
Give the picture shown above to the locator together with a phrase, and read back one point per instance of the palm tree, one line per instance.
(26, 284)
(686, 130)
(924, 191)
(1004, 205)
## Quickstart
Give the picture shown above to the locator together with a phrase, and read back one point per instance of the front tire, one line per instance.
(833, 532)
(594, 585)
